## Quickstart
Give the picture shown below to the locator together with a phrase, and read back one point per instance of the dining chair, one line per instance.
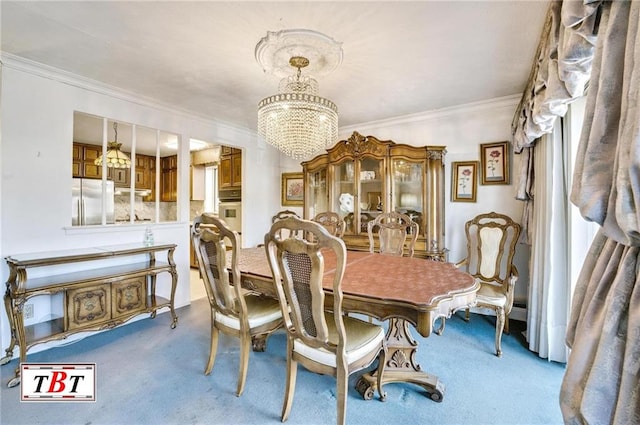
(332, 222)
(491, 244)
(281, 215)
(234, 311)
(323, 341)
(393, 228)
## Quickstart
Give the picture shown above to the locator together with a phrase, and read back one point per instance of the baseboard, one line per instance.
(517, 313)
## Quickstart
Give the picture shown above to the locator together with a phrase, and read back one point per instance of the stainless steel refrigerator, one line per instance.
(87, 202)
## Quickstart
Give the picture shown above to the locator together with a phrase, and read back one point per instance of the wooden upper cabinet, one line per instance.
(230, 168)
(83, 161)
(145, 172)
(169, 179)
(121, 176)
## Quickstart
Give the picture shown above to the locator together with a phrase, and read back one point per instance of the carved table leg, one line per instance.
(12, 327)
(401, 365)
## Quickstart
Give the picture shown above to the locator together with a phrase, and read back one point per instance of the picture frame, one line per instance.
(495, 163)
(292, 189)
(464, 181)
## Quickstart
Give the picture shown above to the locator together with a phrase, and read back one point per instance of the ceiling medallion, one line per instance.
(297, 120)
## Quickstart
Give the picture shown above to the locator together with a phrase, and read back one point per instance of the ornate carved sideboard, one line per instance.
(95, 298)
(362, 177)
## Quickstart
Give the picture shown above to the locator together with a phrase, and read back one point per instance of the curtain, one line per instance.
(601, 384)
(547, 310)
(559, 75)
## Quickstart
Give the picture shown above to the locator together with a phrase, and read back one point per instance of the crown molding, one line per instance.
(499, 102)
(19, 63)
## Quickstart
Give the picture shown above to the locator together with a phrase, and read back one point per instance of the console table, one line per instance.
(98, 297)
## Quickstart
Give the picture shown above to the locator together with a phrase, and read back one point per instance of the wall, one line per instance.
(461, 129)
(37, 116)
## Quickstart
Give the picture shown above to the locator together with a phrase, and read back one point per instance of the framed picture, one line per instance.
(495, 163)
(292, 189)
(464, 181)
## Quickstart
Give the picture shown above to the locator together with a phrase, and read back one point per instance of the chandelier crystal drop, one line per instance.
(115, 157)
(296, 120)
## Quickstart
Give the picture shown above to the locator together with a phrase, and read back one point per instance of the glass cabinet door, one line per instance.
(344, 193)
(317, 192)
(407, 189)
(372, 199)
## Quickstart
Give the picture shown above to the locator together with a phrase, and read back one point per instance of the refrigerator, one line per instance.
(87, 202)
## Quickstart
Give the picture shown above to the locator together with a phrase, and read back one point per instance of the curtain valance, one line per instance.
(560, 71)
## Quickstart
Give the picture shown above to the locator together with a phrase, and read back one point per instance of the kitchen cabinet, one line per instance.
(230, 168)
(121, 176)
(83, 161)
(361, 177)
(91, 298)
(145, 172)
(83, 165)
(169, 180)
(145, 175)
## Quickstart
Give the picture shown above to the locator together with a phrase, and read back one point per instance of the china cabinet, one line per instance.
(362, 176)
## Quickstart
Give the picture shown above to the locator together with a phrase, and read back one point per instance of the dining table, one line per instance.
(405, 291)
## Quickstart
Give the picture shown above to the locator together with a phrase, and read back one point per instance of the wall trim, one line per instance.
(510, 101)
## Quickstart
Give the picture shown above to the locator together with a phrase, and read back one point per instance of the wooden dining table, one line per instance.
(403, 290)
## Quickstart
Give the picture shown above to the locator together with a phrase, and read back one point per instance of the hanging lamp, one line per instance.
(115, 157)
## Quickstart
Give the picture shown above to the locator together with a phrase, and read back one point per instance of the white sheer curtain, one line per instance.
(549, 287)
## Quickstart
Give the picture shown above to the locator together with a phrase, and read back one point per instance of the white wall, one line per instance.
(461, 129)
(36, 142)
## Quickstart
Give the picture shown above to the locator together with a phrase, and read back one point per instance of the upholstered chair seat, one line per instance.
(363, 337)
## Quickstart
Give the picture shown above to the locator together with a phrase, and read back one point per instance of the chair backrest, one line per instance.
(491, 245)
(281, 215)
(393, 229)
(212, 240)
(332, 222)
(298, 268)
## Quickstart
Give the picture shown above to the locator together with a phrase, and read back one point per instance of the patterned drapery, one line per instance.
(601, 384)
(596, 41)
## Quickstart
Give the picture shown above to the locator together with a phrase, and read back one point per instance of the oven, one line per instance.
(231, 213)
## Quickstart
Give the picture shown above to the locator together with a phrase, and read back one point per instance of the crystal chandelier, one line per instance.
(296, 120)
(115, 157)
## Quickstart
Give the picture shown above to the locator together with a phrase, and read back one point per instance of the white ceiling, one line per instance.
(400, 57)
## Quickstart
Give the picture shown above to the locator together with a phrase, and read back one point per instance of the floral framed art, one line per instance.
(292, 189)
(495, 163)
(464, 181)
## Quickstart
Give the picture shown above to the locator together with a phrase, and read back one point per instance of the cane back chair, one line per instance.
(234, 311)
(332, 222)
(323, 342)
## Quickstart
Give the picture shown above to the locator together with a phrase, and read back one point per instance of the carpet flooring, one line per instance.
(148, 373)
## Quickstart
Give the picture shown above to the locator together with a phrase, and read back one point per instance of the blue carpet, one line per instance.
(150, 374)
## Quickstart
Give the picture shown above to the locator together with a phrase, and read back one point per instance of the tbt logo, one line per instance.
(58, 382)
